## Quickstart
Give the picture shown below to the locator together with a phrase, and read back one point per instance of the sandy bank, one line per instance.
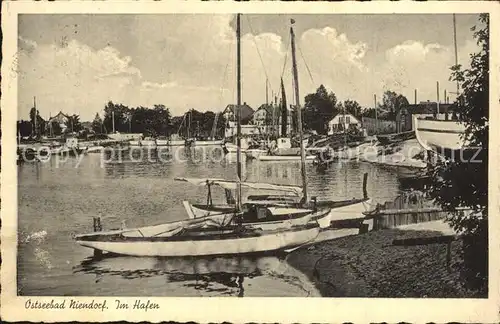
(369, 265)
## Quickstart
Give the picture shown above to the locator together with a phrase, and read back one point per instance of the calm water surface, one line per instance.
(59, 198)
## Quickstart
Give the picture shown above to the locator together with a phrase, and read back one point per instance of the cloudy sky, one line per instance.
(76, 63)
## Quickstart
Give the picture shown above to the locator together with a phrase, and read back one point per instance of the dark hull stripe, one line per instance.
(432, 130)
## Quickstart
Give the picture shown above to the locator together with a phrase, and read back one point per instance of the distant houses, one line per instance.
(404, 120)
(341, 122)
(61, 119)
(258, 122)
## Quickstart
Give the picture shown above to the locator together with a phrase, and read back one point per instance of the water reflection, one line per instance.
(220, 275)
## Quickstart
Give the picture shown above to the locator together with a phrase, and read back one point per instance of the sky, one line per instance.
(77, 63)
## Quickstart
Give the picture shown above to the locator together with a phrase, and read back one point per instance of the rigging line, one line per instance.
(286, 57)
(258, 51)
(305, 63)
(224, 76)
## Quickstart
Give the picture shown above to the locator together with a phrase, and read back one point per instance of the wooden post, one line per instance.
(97, 228)
(437, 93)
(376, 113)
(448, 256)
(365, 180)
(363, 228)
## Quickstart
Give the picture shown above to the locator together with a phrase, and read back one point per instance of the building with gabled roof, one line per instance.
(246, 113)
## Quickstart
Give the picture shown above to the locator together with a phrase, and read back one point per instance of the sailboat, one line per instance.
(284, 150)
(212, 141)
(295, 198)
(445, 137)
(213, 235)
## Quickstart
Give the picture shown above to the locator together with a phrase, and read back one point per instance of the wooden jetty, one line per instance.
(408, 208)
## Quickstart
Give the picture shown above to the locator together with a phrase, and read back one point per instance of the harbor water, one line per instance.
(60, 197)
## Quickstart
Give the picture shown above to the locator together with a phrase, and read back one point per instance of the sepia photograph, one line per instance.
(248, 154)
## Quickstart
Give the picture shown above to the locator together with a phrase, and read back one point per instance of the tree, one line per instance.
(320, 107)
(97, 124)
(24, 128)
(352, 107)
(464, 182)
(368, 112)
(119, 111)
(73, 124)
(56, 128)
(40, 124)
(392, 103)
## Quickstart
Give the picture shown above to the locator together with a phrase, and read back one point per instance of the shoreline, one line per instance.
(368, 265)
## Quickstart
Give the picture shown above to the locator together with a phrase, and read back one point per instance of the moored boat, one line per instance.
(233, 148)
(207, 142)
(202, 241)
(309, 158)
(387, 139)
(442, 136)
(254, 153)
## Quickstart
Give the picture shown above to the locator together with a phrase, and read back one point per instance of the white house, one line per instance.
(341, 122)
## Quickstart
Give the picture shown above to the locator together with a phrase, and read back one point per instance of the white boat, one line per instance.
(233, 148)
(283, 151)
(208, 143)
(94, 149)
(202, 242)
(309, 158)
(255, 153)
(177, 143)
(143, 143)
(441, 136)
(148, 142)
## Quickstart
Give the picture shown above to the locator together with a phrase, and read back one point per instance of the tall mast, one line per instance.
(456, 50)
(113, 117)
(238, 107)
(376, 113)
(189, 125)
(214, 126)
(437, 97)
(267, 93)
(299, 115)
(36, 115)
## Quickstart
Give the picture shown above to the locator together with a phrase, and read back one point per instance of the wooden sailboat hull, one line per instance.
(439, 135)
(213, 243)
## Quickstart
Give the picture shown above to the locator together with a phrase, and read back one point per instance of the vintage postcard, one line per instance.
(324, 162)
